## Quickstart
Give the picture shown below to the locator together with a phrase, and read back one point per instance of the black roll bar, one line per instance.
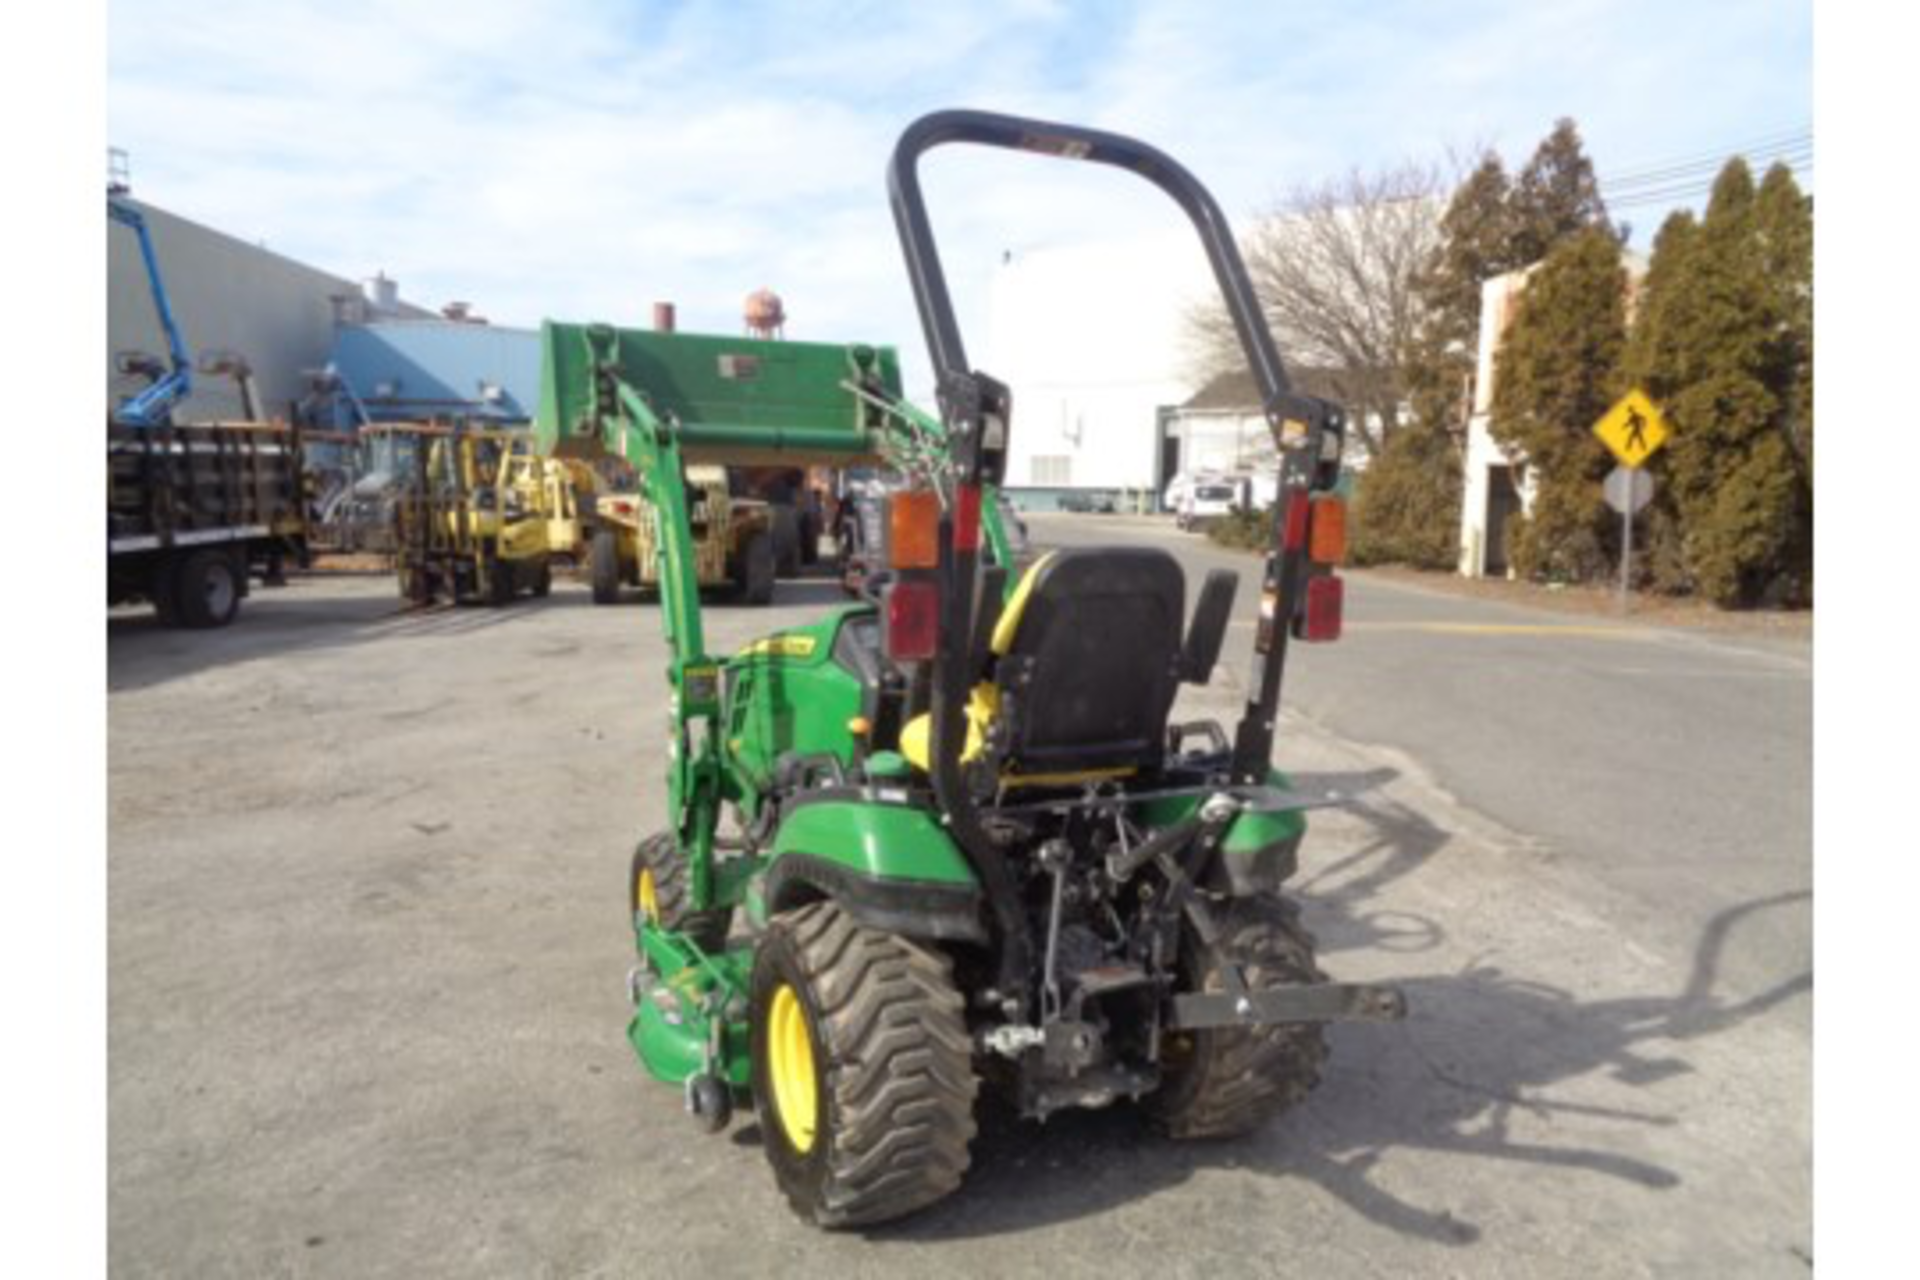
(969, 400)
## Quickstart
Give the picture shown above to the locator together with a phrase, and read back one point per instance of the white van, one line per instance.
(1206, 498)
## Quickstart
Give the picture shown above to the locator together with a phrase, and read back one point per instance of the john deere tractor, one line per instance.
(967, 846)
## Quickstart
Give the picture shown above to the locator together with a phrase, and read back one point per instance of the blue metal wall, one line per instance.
(408, 370)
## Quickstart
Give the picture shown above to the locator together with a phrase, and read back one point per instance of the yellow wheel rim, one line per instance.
(790, 1063)
(646, 897)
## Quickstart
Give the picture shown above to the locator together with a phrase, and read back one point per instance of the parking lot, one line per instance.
(368, 950)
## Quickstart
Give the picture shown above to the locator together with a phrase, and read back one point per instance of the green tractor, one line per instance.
(966, 846)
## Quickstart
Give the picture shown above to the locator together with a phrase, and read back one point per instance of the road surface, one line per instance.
(368, 947)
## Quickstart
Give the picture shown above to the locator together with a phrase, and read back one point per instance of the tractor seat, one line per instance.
(1085, 660)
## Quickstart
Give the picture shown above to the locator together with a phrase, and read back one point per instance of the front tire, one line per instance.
(660, 890)
(862, 1069)
(500, 581)
(1228, 1081)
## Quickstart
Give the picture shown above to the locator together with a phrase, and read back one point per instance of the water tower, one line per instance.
(766, 315)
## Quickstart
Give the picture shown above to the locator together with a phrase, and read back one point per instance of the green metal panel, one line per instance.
(1248, 834)
(886, 840)
(742, 400)
(671, 1027)
(786, 694)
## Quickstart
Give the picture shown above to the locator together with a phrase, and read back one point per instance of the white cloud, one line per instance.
(582, 158)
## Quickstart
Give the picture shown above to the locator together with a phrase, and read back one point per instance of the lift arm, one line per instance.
(153, 406)
(651, 442)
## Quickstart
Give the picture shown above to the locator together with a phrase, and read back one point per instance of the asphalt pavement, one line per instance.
(1672, 765)
(368, 946)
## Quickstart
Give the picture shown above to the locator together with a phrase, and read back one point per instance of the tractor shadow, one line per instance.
(1482, 1049)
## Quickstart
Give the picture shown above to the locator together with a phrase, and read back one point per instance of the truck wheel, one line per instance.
(755, 574)
(658, 889)
(1229, 1081)
(862, 1068)
(606, 567)
(206, 590)
(543, 578)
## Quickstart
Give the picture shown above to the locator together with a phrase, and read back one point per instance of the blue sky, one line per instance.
(581, 158)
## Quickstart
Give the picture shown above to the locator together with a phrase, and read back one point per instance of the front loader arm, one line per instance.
(651, 443)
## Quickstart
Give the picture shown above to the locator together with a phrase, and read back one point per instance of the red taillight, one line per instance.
(1320, 620)
(966, 518)
(913, 620)
(1299, 508)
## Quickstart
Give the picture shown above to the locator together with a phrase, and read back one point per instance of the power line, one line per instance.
(1684, 193)
(1634, 172)
(1755, 159)
(1704, 182)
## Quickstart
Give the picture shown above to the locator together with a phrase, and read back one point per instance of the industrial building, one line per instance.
(279, 315)
(1092, 340)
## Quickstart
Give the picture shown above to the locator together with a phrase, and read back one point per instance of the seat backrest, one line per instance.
(1090, 660)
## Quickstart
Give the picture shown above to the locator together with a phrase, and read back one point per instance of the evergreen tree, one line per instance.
(1663, 561)
(1717, 344)
(1476, 244)
(1555, 196)
(1406, 504)
(1558, 371)
(1783, 223)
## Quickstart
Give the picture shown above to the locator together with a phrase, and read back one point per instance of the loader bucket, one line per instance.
(738, 400)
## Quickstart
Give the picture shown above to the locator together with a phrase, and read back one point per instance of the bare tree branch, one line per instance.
(1335, 266)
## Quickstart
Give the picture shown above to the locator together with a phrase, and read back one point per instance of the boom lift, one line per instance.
(971, 848)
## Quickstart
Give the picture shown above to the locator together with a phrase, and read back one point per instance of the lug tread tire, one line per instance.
(757, 570)
(1239, 1079)
(897, 1113)
(673, 889)
(606, 567)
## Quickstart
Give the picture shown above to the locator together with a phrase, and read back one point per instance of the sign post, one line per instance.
(1633, 430)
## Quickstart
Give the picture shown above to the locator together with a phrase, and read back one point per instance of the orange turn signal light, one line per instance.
(913, 529)
(1327, 540)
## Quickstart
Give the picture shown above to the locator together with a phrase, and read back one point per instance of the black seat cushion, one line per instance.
(1095, 660)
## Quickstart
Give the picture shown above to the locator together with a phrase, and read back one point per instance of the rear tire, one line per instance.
(659, 888)
(206, 590)
(543, 578)
(1229, 1081)
(876, 1121)
(756, 570)
(606, 567)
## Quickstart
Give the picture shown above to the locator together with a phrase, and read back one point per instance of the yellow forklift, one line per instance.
(482, 517)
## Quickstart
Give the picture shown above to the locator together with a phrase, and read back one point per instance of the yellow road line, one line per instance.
(1505, 629)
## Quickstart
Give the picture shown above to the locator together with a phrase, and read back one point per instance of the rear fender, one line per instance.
(890, 866)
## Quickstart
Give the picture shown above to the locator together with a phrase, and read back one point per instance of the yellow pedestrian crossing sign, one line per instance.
(1633, 428)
